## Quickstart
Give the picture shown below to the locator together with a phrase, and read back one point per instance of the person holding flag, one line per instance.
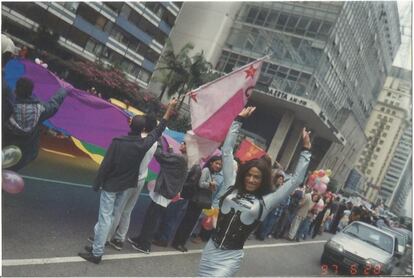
(245, 204)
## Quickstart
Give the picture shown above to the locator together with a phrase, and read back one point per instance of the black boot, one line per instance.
(90, 257)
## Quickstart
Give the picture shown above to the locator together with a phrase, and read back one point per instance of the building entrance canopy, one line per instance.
(304, 109)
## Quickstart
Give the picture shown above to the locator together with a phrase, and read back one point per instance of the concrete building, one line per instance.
(128, 34)
(387, 123)
(398, 179)
(329, 62)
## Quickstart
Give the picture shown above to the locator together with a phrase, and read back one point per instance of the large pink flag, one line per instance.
(214, 106)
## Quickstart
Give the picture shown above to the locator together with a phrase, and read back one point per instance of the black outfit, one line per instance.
(337, 217)
(173, 173)
(193, 210)
(115, 173)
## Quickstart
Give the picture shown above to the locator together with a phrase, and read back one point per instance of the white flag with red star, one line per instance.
(214, 106)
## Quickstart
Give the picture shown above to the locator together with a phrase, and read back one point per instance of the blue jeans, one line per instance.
(171, 220)
(108, 202)
(267, 225)
(122, 213)
(303, 228)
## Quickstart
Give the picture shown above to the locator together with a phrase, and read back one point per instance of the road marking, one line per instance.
(57, 260)
(65, 182)
(59, 153)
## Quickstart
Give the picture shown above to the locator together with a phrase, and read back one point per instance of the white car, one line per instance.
(361, 249)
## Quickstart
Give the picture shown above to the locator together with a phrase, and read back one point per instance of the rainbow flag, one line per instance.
(90, 121)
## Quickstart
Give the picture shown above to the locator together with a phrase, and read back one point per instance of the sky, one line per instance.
(404, 59)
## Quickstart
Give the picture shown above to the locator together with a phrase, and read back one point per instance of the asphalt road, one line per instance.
(45, 227)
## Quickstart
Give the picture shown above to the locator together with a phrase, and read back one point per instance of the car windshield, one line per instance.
(370, 235)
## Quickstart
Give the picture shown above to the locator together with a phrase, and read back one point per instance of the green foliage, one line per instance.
(181, 73)
(180, 123)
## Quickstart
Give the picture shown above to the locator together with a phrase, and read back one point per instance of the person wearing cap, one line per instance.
(8, 49)
(117, 173)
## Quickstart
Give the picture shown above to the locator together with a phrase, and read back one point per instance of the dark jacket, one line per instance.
(173, 172)
(23, 127)
(119, 169)
(191, 183)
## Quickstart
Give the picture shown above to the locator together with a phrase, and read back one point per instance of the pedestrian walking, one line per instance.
(245, 204)
(206, 185)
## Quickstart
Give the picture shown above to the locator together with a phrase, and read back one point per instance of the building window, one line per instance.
(368, 172)
(125, 11)
(71, 6)
(387, 127)
(381, 142)
(393, 112)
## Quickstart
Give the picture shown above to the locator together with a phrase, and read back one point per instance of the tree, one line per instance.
(181, 73)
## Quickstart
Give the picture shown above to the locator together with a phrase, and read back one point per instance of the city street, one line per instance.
(45, 227)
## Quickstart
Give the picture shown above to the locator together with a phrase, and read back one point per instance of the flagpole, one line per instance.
(227, 74)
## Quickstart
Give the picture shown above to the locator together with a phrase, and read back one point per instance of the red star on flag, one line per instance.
(251, 71)
(193, 96)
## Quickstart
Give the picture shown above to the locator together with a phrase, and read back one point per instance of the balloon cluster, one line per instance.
(319, 180)
(210, 219)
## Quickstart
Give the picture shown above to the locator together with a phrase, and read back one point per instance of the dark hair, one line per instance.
(24, 87)
(137, 124)
(211, 160)
(150, 122)
(267, 159)
(263, 166)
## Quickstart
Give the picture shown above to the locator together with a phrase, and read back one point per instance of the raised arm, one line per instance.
(228, 146)
(274, 199)
(52, 106)
(156, 132)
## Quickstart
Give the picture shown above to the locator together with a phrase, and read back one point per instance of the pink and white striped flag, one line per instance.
(214, 106)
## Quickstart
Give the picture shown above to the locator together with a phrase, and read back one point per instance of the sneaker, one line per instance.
(160, 243)
(88, 248)
(91, 239)
(179, 247)
(139, 248)
(10, 156)
(116, 243)
(91, 258)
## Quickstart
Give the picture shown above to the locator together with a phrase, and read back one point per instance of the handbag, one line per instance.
(203, 198)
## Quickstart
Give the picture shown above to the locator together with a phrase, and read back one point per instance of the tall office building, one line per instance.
(385, 157)
(398, 179)
(329, 61)
(128, 34)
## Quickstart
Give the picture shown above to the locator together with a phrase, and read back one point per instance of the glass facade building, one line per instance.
(128, 34)
(334, 53)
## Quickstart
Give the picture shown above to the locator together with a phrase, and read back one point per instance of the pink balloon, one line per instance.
(321, 173)
(12, 182)
(321, 188)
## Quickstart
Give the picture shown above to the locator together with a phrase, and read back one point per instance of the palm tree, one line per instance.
(182, 73)
(174, 68)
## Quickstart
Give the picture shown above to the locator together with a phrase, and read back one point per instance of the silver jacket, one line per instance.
(240, 213)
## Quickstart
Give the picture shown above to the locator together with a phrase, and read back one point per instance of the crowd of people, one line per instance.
(254, 198)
